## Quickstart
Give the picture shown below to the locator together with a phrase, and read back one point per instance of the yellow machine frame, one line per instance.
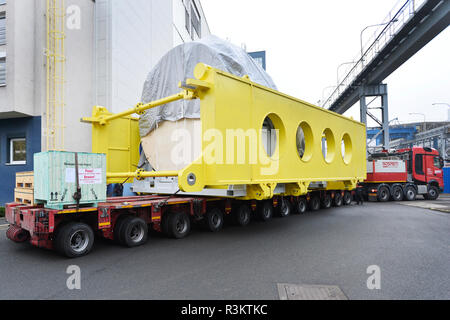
(234, 108)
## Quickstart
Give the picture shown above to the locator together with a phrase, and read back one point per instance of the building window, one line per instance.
(2, 28)
(419, 164)
(2, 71)
(2, 2)
(188, 20)
(18, 151)
(196, 19)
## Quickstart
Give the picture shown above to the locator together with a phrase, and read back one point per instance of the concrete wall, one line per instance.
(17, 97)
(131, 37)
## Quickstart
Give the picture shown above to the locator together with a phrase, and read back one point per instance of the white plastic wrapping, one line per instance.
(179, 64)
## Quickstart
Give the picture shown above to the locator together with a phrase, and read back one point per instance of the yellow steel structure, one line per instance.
(55, 53)
(119, 140)
(233, 112)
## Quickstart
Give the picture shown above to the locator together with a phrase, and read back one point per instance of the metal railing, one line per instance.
(397, 18)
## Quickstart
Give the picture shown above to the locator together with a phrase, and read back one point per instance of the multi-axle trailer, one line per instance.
(127, 220)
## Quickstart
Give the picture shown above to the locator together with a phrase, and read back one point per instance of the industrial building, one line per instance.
(60, 58)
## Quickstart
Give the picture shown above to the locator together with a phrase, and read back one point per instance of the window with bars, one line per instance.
(2, 28)
(196, 19)
(2, 71)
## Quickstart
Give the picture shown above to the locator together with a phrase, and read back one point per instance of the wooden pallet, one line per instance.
(24, 191)
(24, 196)
(25, 180)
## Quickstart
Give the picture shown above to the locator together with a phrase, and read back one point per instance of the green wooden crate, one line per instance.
(55, 179)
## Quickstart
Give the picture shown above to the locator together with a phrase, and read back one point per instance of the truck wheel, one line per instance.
(179, 225)
(134, 232)
(347, 198)
(314, 203)
(214, 220)
(397, 193)
(433, 193)
(265, 211)
(383, 194)
(74, 239)
(410, 193)
(326, 201)
(242, 215)
(301, 206)
(285, 208)
(338, 200)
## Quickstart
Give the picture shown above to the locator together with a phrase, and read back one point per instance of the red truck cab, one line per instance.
(425, 166)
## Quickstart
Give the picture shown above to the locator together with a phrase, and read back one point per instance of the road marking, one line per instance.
(4, 226)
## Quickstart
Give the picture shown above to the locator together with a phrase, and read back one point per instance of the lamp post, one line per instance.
(368, 27)
(424, 119)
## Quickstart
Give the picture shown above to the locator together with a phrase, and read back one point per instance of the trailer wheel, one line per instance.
(326, 201)
(433, 193)
(301, 206)
(214, 219)
(74, 239)
(242, 215)
(383, 194)
(410, 193)
(134, 232)
(265, 211)
(348, 198)
(314, 203)
(397, 193)
(338, 200)
(179, 225)
(118, 230)
(285, 209)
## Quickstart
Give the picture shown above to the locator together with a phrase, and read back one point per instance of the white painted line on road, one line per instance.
(4, 226)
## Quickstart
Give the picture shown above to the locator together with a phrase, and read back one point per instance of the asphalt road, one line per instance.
(332, 247)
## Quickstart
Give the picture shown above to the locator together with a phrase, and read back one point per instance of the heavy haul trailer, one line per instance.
(404, 174)
(254, 182)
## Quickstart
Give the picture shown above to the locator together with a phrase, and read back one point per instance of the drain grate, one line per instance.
(310, 292)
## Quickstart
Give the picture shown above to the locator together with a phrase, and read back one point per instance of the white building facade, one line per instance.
(109, 48)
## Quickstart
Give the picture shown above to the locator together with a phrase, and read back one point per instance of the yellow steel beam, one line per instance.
(233, 111)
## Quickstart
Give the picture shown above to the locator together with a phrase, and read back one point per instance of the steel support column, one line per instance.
(376, 91)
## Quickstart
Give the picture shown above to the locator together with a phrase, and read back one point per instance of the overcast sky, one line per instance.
(307, 40)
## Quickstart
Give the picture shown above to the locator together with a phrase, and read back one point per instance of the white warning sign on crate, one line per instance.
(85, 176)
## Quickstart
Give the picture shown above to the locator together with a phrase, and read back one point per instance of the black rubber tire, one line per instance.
(284, 208)
(265, 211)
(338, 200)
(214, 220)
(134, 232)
(433, 193)
(64, 239)
(165, 223)
(348, 198)
(410, 193)
(397, 193)
(383, 194)
(314, 203)
(326, 202)
(179, 225)
(242, 215)
(302, 206)
(117, 230)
